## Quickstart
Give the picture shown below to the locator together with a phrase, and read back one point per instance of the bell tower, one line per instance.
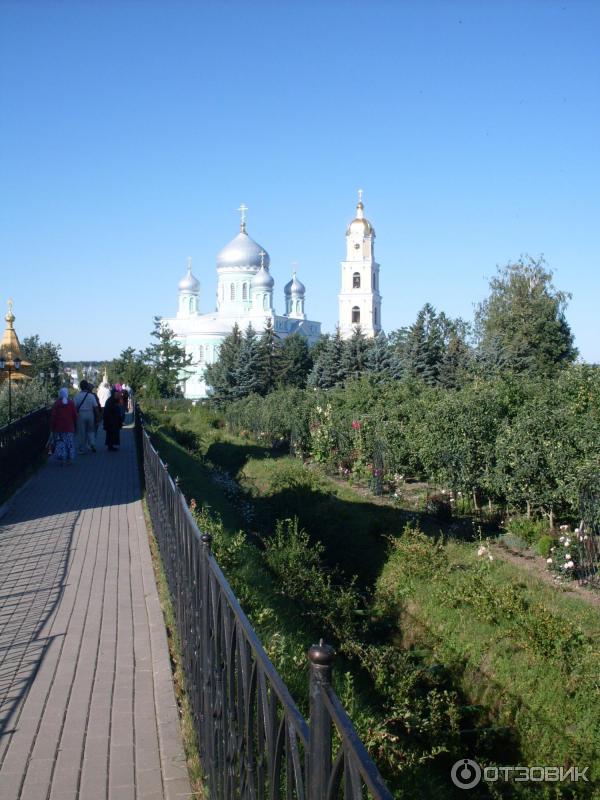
(359, 298)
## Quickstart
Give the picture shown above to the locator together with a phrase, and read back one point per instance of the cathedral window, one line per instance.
(201, 353)
(297, 306)
(376, 316)
(356, 280)
(265, 302)
(355, 315)
(192, 305)
(232, 291)
(244, 291)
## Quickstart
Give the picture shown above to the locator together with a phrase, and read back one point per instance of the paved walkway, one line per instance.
(87, 708)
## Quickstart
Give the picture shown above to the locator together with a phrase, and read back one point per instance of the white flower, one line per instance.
(481, 551)
(552, 549)
(567, 542)
(581, 538)
(570, 565)
(490, 556)
(548, 561)
(585, 537)
(567, 556)
(576, 530)
(561, 539)
(564, 528)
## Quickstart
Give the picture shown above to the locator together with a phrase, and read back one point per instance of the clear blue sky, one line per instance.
(130, 133)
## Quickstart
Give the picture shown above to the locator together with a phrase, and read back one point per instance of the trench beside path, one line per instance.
(87, 708)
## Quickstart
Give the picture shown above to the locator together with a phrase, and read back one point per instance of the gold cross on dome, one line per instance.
(242, 209)
(189, 263)
(360, 194)
(294, 268)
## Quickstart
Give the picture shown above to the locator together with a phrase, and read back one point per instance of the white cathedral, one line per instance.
(245, 296)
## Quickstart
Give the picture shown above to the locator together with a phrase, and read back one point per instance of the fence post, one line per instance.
(206, 726)
(319, 748)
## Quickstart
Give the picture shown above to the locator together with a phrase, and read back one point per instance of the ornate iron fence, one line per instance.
(21, 443)
(254, 742)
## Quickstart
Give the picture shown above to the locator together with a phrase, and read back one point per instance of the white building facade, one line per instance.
(245, 290)
(359, 298)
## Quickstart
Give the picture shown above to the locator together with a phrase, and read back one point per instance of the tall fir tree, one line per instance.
(379, 356)
(248, 377)
(329, 369)
(220, 376)
(355, 354)
(295, 361)
(167, 362)
(270, 356)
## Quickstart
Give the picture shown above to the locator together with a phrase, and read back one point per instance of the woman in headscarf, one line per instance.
(113, 421)
(63, 419)
(103, 391)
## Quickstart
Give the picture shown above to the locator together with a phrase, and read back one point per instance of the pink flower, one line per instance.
(355, 425)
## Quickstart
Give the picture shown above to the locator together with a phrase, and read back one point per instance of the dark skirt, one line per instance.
(113, 437)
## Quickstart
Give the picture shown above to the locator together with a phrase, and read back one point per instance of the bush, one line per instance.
(528, 529)
(544, 545)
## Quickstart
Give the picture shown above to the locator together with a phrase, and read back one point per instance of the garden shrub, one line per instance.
(544, 545)
(528, 529)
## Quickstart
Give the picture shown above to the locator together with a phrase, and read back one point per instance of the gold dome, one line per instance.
(360, 224)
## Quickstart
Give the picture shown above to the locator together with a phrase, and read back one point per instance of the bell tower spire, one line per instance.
(359, 298)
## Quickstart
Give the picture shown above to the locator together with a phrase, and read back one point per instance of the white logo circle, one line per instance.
(465, 773)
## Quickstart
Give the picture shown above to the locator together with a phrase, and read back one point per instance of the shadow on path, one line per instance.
(36, 545)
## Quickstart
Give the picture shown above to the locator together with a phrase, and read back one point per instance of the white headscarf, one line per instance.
(64, 395)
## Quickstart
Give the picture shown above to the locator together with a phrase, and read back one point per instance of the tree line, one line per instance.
(520, 328)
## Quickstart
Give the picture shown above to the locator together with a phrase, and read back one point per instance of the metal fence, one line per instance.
(254, 742)
(588, 533)
(21, 443)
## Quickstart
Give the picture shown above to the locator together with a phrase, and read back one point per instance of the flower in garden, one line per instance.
(481, 550)
(561, 538)
(355, 425)
(552, 549)
(569, 565)
(567, 542)
(567, 556)
(576, 530)
(548, 561)
(564, 528)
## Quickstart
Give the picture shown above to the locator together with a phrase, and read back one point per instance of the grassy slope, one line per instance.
(549, 702)
(550, 707)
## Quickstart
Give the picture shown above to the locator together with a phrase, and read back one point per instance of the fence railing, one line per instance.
(21, 443)
(254, 741)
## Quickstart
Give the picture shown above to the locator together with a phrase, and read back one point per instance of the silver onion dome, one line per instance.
(263, 279)
(189, 283)
(294, 286)
(242, 251)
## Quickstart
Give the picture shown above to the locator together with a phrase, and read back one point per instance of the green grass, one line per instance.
(547, 698)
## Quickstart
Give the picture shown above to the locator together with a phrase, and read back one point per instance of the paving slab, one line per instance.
(85, 710)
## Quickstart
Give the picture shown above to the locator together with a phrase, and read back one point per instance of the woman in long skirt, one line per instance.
(113, 421)
(63, 418)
